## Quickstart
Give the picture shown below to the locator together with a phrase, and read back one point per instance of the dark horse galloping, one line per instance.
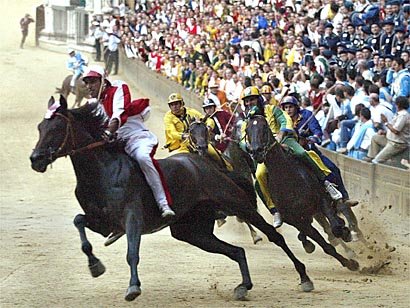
(114, 195)
(80, 90)
(294, 188)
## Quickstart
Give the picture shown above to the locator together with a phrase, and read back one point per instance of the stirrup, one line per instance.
(333, 192)
(113, 237)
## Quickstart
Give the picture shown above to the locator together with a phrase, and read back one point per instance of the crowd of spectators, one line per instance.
(347, 61)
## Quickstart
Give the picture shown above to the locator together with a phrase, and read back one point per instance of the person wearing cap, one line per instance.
(310, 133)
(398, 41)
(77, 64)
(221, 124)
(24, 23)
(112, 49)
(97, 33)
(386, 38)
(329, 38)
(176, 122)
(127, 121)
(281, 126)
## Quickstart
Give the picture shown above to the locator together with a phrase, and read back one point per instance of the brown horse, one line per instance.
(114, 194)
(80, 90)
(294, 188)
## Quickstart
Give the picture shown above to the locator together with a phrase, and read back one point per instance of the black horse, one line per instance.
(114, 195)
(294, 188)
(199, 140)
(80, 90)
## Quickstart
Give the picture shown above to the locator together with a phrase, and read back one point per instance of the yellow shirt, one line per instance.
(176, 126)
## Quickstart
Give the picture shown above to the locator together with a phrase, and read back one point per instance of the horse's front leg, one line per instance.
(133, 229)
(94, 264)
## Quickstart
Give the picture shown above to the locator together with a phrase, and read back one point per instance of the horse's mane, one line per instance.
(93, 118)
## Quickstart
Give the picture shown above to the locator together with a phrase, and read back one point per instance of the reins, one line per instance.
(70, 135)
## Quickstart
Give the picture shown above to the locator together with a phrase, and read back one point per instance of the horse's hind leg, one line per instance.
(337, 223)
(94, 264)
(257, 220)
(352, 221)
(197, 230)
(307, 245)
(310, 231)
(331, 238)
(255, 236)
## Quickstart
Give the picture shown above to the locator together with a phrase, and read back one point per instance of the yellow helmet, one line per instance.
(249, 92)
(174, 97)
(266, 89)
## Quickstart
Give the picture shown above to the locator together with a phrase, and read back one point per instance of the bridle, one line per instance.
(69, 136)
(271, 140)
(192, 145)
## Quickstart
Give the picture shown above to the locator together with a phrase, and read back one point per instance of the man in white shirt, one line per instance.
(363, 132)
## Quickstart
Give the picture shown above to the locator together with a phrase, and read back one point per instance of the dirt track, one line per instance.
(42, 264)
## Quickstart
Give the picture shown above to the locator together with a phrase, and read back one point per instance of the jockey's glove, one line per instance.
(220, 137)
(109, 136)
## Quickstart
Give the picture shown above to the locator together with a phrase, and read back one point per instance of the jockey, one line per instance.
(177, 121)
(282, 127)
(75, 63)
(221, 124)
(310, 134)
(127, 121)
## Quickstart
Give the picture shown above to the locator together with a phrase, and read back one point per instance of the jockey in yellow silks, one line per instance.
(281, 126)
(177, 121)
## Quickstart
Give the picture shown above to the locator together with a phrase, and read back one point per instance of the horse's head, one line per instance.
(199, 136)
(259, 137)
(58, 132)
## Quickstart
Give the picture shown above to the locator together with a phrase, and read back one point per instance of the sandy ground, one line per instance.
(41, 264)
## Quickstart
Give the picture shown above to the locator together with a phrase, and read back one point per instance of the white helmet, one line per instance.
(208, 102)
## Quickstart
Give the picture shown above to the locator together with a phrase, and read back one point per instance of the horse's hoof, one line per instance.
(346, 235)
(97, 269)
(307, 286)
(257, 239)
(309, 246)
(353, 265)
(132, 293)
(337, 232)
(240, 293)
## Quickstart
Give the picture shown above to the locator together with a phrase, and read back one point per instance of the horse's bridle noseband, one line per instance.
(268, 146)
(53, 155)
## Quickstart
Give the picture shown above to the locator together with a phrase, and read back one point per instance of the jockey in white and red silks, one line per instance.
(127, 121)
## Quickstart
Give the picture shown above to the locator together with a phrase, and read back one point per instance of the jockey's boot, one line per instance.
(113, 237)
(333, 192)
(166, 210)
(277, 218)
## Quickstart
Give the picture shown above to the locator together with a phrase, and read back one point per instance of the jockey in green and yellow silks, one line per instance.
(281, 126)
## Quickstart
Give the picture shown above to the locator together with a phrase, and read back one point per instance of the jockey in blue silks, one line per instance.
(75, 63)
(310, 133)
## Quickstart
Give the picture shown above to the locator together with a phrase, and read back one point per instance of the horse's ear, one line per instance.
(63, 102)
(50, 101)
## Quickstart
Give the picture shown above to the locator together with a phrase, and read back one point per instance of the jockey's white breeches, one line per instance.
(141, 146)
